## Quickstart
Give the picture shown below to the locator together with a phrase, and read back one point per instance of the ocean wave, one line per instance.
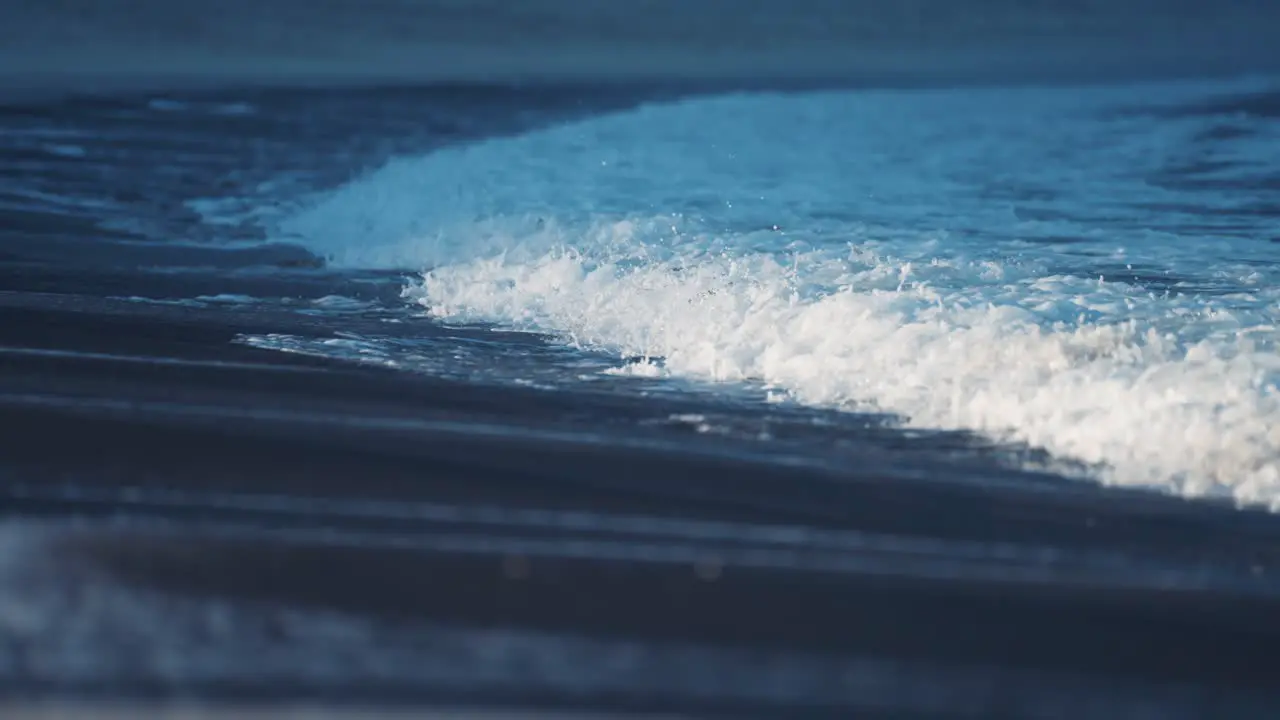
(867, 264)
(1131, 396)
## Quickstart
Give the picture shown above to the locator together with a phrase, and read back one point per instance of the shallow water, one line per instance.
(1064, 270)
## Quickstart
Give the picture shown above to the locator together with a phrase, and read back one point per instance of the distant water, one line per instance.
(929, 403)
(49, 47)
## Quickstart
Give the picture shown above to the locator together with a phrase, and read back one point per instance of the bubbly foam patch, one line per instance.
(963, 261)
(1201, 418)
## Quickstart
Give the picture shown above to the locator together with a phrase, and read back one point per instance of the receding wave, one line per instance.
(877, 261)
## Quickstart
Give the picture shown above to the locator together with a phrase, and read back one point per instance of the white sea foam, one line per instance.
(1200, 417)
(855, 250)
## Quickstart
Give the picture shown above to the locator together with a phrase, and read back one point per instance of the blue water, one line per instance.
(1087, 271)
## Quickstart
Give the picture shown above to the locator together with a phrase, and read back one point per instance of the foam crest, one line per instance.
(1130, 397)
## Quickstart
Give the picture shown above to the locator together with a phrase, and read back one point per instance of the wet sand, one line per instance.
(223, 474)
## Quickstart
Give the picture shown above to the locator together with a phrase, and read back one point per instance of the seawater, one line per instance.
(1089, 271)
